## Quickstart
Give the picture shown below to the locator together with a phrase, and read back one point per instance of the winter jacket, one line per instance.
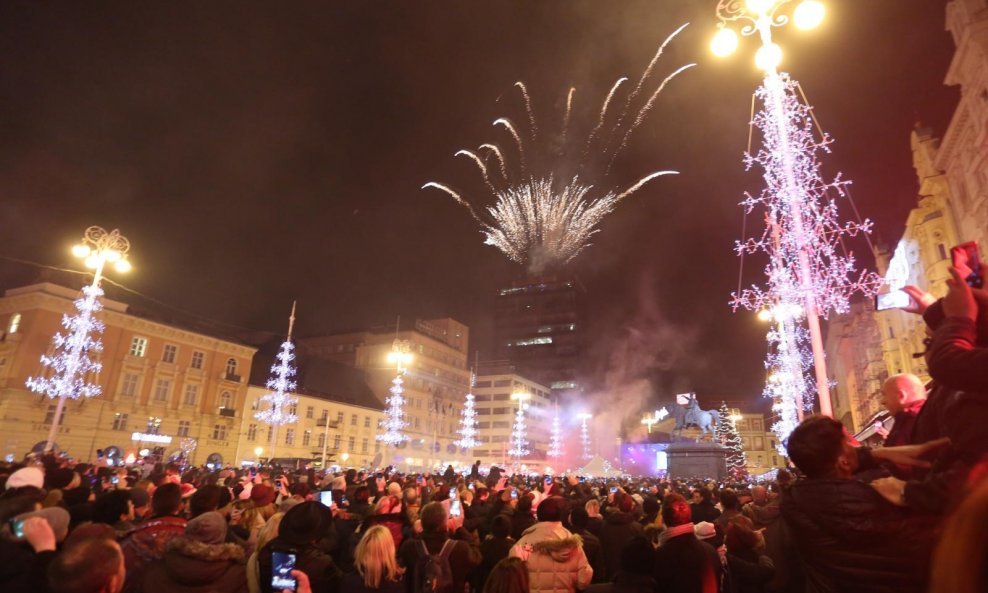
(145, 544)
(762, 515)
(555, 559)
(21, 569)
(849, 538)
(704, 511)
(190, 566)
(684, 564)
(324, 575)
(354, 583)
(463, 558)
(595, 556)
(618, 529)
(626, 582)
(492, 551)
(749, 573)
(520, 522)
(396, 523)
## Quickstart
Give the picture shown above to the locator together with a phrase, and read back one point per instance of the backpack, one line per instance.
(433, 573)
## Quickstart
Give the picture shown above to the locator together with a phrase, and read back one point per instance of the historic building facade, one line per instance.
(856, 365)
(758, 441)
(164, 388)
(435, 383)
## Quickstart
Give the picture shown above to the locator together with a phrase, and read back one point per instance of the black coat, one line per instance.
(684, 564)
(595, 555)
(704, 511)
(194, 567)
(324, 575)
(625, 583)
(492, 551)
(618, 529)
(749, 573)
(849, 538)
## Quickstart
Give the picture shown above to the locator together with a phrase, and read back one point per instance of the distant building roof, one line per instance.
(317, 377)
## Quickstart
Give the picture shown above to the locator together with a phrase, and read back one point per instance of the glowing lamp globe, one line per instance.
(92, 262)
(760, 6)
(808, 15)
(123, 266)
(765, 315)
(768, 57)
(724, 42)
(81, 251)
(112, 255)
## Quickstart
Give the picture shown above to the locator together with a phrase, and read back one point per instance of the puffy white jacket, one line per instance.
(554, 557)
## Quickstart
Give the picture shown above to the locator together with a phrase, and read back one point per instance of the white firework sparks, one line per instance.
(536, 219)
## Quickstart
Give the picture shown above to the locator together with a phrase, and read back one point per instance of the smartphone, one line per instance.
(613, 489)
(326, 497)
(115, 480)
(282, 565)
(897, 299)
(967, 254)
(452, 493)
(17, 528)
(514, 493)
(455, 508)
(277, 484)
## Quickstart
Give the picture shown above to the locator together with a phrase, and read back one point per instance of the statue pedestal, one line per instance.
(697, 460)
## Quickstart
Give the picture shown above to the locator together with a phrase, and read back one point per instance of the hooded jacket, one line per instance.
(849, 538)
(147, 543)
(554, 557)
(190, 566)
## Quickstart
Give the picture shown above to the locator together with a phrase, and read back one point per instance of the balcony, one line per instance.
(321, 423)
(230, 377)
(227, 412)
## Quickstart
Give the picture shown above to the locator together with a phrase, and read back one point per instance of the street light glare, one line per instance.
(123, 266)
(765, 315)
(768, 57)
(724, 42)
(760, 6)
(81, 250)
(809, 14)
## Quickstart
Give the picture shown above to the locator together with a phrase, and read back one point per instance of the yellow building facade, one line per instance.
(496, 416)
(856, 364)
(163, 387)
(345, 432)
(758, 441)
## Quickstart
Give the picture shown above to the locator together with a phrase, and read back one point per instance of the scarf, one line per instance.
(671, 532)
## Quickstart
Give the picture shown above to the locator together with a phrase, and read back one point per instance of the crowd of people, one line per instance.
(904, 518)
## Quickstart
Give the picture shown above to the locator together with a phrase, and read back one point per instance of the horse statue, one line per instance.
(692, 415)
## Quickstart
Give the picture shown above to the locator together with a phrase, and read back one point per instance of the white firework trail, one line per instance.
(535, 218)
(528, 108)
(500, 158)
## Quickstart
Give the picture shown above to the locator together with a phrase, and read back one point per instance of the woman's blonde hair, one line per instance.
(269, 531)
(375, 557)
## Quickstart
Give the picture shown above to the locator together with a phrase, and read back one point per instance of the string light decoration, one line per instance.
(585, 435)
(556, 450)
(789, 365)
(803, 234)
(394, 422)
(70, 369)
(519, 437)
(726, 433)
(468, 419)
(272, 406)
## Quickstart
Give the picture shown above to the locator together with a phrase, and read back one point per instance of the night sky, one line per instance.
(255, 153)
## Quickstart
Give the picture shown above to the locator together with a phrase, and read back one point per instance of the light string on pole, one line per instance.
(72, 366)
(271, 406)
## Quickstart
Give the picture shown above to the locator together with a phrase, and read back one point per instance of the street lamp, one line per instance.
(808, 270)
(74, 354)
(257, 455)
(519, 443)
(585, 434)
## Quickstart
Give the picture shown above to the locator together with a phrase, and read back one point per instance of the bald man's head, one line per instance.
(903, 391)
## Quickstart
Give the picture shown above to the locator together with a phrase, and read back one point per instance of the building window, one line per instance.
(183, 428)
(251, 432)
(336, 441)
(153, 425)
(226, 400)
(377, 446)
(161, 389)
(324, 416)
(350, 442)
(191, 395)
(289, 436)
(366, 421)
(128, 386)
(306, 437)
(363, 445)
(293, 409)
(219, 432)
(309, 412)
(231, 366)
(198, 358)
(321, 441)
(138, 346)
(942, 251)
(120, 421)
(353, 420)
(270, 433)
(339, 417)
(169, 353)
(418, 424)
(14, 324)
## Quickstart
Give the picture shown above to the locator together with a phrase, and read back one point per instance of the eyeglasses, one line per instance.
(927, 342)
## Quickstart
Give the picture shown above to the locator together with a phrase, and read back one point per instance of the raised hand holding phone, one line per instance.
(959, 301)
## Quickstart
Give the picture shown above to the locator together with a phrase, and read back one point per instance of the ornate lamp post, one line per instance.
(519, 441)
(802, 236)
(73, 359)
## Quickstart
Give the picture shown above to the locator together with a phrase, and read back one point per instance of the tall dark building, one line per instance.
(539, 327)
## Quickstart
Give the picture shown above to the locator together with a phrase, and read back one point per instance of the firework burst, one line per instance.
(544, 205)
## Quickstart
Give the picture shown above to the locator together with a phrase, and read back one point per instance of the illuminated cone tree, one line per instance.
(275, 408)
(468, 419)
